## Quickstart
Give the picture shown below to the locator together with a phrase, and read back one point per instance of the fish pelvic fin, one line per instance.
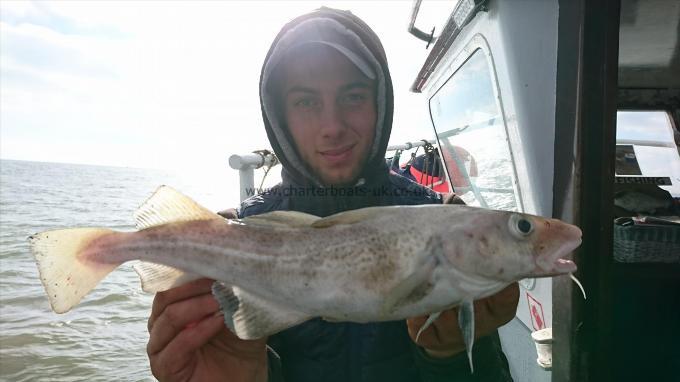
(430, 320)
(466, 322)
(66, 276)
(168, 205)
(158, 277)
(252, 317)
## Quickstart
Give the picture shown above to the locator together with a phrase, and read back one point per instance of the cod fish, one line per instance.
(279, 269)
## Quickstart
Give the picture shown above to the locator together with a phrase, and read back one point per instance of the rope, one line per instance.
(267, 167)
(395, 159)
(429, 150)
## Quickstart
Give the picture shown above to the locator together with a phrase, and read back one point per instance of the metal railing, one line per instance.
(246, 165)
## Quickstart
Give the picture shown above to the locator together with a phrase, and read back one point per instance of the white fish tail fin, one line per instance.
(466, 321)
(251, 317)
(66, 277)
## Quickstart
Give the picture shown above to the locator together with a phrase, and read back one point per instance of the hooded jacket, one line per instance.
(318, 350)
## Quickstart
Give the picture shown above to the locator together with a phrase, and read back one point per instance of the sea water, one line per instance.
(104, 337)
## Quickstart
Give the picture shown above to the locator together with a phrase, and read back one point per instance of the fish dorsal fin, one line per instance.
(291, 219)
(158, 277)
(351, 217)
(251, 317)
(167, 205)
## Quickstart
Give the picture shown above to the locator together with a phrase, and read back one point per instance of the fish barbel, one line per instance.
(279, 269)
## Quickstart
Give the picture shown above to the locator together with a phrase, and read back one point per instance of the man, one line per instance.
(326, 98)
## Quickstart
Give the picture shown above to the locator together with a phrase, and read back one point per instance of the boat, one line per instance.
(551, 107)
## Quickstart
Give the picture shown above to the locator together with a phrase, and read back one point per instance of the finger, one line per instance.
(452, 198)
(504, 303)
(426, 338)
(176, 317)
(497, 310)
(188, 290)
(447, 328)
(175, 356)
(413, 326)
(447, 324)
(431, 336)
(416, 322)
(229, 213)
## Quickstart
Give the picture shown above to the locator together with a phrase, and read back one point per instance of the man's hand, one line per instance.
(189, 342)
(444, 339)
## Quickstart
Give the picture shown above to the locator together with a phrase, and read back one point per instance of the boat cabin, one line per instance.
(571, 109)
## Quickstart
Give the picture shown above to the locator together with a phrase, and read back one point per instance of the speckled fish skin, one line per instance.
(346, 272)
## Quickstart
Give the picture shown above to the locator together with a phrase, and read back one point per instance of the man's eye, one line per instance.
(354, 98)
(306, 103)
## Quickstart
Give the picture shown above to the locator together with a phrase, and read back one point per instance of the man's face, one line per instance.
(330, 111)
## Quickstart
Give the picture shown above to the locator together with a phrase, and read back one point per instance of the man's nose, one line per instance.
(331, 121)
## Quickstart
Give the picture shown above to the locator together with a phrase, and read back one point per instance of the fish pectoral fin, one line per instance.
(466, 322)
(158, 277)
(401, 293)
(418, 283)
(168, 205)
(293, 219)
(252, 317)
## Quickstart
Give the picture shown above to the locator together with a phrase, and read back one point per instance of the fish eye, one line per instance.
(520, 226)
(524, 226)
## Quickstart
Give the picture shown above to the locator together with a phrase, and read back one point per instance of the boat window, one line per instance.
(646, 146)
(472, 136)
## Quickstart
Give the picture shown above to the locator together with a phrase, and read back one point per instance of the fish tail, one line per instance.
(66, 275)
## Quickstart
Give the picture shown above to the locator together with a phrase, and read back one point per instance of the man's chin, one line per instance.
(340, 179)
(342, 182)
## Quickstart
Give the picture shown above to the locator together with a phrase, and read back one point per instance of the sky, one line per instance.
(168, 85)
(174, 85)
(644, 125)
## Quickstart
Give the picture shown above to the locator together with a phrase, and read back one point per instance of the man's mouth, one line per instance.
(337, 155)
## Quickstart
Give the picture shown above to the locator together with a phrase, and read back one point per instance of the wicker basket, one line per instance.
(647, 243)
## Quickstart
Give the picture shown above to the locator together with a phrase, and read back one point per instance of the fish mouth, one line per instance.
(554, 263)
(562, 266)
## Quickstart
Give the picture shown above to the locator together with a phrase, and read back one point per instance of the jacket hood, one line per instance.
(350, 36)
